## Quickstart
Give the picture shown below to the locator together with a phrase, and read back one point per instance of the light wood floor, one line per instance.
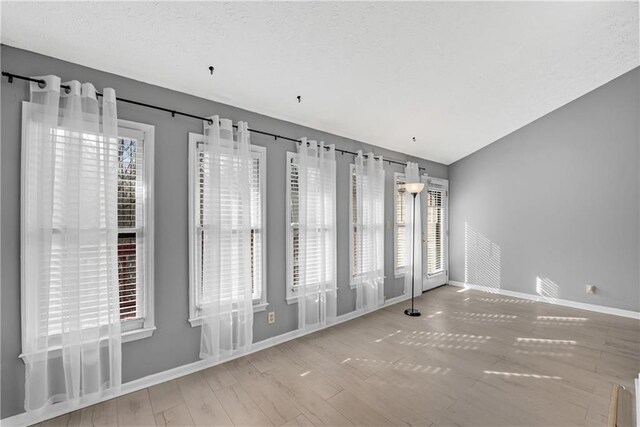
(473, 358)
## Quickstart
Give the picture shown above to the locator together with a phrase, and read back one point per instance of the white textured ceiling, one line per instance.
(457, 76)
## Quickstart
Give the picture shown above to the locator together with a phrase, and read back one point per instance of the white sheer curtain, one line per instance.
(71, 335)
(227, 306)
(369, 220)
(317, 236)
(412, 174)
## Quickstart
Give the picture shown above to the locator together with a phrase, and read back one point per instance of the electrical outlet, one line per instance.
(272, 317)
(591, 289)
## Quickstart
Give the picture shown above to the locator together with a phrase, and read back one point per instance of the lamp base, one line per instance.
(412, 312)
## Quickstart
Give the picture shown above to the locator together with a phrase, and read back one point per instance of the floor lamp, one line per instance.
(414, 188)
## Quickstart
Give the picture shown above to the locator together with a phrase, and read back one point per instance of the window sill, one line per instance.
(197, 321)
(128, 336)
(260, 307)
(354, 284)
(137, 334)
(431, 275)
(293, 299)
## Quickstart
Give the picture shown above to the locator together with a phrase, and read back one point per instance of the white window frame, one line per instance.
(143, 328)
(398, 270)
(259, 304)
(131, 329)
(291, 295)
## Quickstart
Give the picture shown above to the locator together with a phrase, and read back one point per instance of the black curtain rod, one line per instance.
(11, 76)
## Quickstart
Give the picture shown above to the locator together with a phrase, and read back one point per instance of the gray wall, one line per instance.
(175, 342)
(555, 205)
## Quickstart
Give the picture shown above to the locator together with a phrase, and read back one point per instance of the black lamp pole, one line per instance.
(412, 311)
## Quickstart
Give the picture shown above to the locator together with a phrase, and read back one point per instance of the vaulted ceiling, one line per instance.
(454, 75)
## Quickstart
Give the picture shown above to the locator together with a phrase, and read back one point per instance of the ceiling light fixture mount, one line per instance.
(211, 69)
(414, 139)
(299, 98)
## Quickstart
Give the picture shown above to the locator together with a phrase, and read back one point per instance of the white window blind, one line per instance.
(400, 224)
(361, 244)
(94, 312)
(436, 233)
(355, 246)
(314, 250)
(294, 240)
(203, 293)
(131, 224)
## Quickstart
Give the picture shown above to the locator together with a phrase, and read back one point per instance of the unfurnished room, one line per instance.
(320, 213)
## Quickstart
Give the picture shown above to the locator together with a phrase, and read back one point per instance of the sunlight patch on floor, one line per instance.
(518, 374)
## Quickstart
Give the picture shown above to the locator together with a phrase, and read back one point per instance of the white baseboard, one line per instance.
(557, 301)
(396, 300)
(180, 371)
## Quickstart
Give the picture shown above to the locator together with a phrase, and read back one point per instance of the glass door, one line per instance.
(435, 237)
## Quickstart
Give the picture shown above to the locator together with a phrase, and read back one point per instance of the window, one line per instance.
(135, 233)
(355, 240)
(362, 242)
(353, 221)
(435, 255)
(399, 224)
(198, 167)
(135, 225)
(314, 263)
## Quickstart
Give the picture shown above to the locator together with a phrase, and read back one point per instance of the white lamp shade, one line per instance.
(414, 187)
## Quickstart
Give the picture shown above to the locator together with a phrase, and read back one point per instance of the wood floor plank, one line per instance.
(81, 418)
(134, 409)
(429, 404)
(240, 407)
(219, 377)
(165, 395)
(312, 405)
(105, 413)
(204, 407)
(300, 421)
(357, 411)
(62, 420)
(268, 398)
(175, 416)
